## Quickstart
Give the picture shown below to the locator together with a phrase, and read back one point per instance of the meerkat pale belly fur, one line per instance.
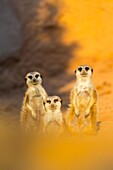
(84, 96)
(33, 107)
(53, 118)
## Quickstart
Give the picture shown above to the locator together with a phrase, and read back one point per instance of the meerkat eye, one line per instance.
(80, 69)
(48, 101)
(55, 100)
(92, 70)
(41, 76)
(86, 68)
(36, 75)
(30, 77)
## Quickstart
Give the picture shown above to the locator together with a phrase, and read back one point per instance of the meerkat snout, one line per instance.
(33, 78)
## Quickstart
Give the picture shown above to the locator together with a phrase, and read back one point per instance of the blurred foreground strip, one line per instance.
(31, 152)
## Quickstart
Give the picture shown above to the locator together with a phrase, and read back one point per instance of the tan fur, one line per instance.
(53, 118)
(33, 108)
(83, 99)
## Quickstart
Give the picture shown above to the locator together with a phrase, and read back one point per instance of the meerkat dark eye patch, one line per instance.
(36, 75)
(86, 68)
(55, 100)
(48, 101)
(75, 71)
(92, 70)
(80, 69)
(41, 76)
(30, 77)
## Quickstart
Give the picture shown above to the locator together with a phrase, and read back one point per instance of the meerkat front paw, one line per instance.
(34, 116)
(77, 113)
(87, 113)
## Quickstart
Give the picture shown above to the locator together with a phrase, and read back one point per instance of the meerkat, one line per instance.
(53, 118)
(33, 107)
(83, 99)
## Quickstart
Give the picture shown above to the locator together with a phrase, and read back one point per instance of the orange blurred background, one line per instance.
(89, 23)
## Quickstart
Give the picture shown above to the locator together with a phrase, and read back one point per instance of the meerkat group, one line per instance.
(43, 114)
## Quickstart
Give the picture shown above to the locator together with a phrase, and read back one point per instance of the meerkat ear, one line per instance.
(75, 71)
(92, 70)
(61, 101)
(25, 79)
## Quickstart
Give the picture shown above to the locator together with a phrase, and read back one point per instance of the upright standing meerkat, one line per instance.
(83, 98)
(33, 107)
(53, 118)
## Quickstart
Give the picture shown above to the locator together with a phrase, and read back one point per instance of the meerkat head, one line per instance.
(33, 78)
(53, 103)
(84, 71)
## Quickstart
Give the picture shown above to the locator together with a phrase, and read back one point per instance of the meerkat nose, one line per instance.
(52, 105)
(83, 71)
(34, 80)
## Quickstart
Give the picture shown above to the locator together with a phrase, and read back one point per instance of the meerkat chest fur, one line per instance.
(37, 96)
(83, 88)
(37, 91)
(42, 91)
(55, 115)
(33, 92)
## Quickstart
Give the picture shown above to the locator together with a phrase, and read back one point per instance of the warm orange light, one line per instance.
(90, 24)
